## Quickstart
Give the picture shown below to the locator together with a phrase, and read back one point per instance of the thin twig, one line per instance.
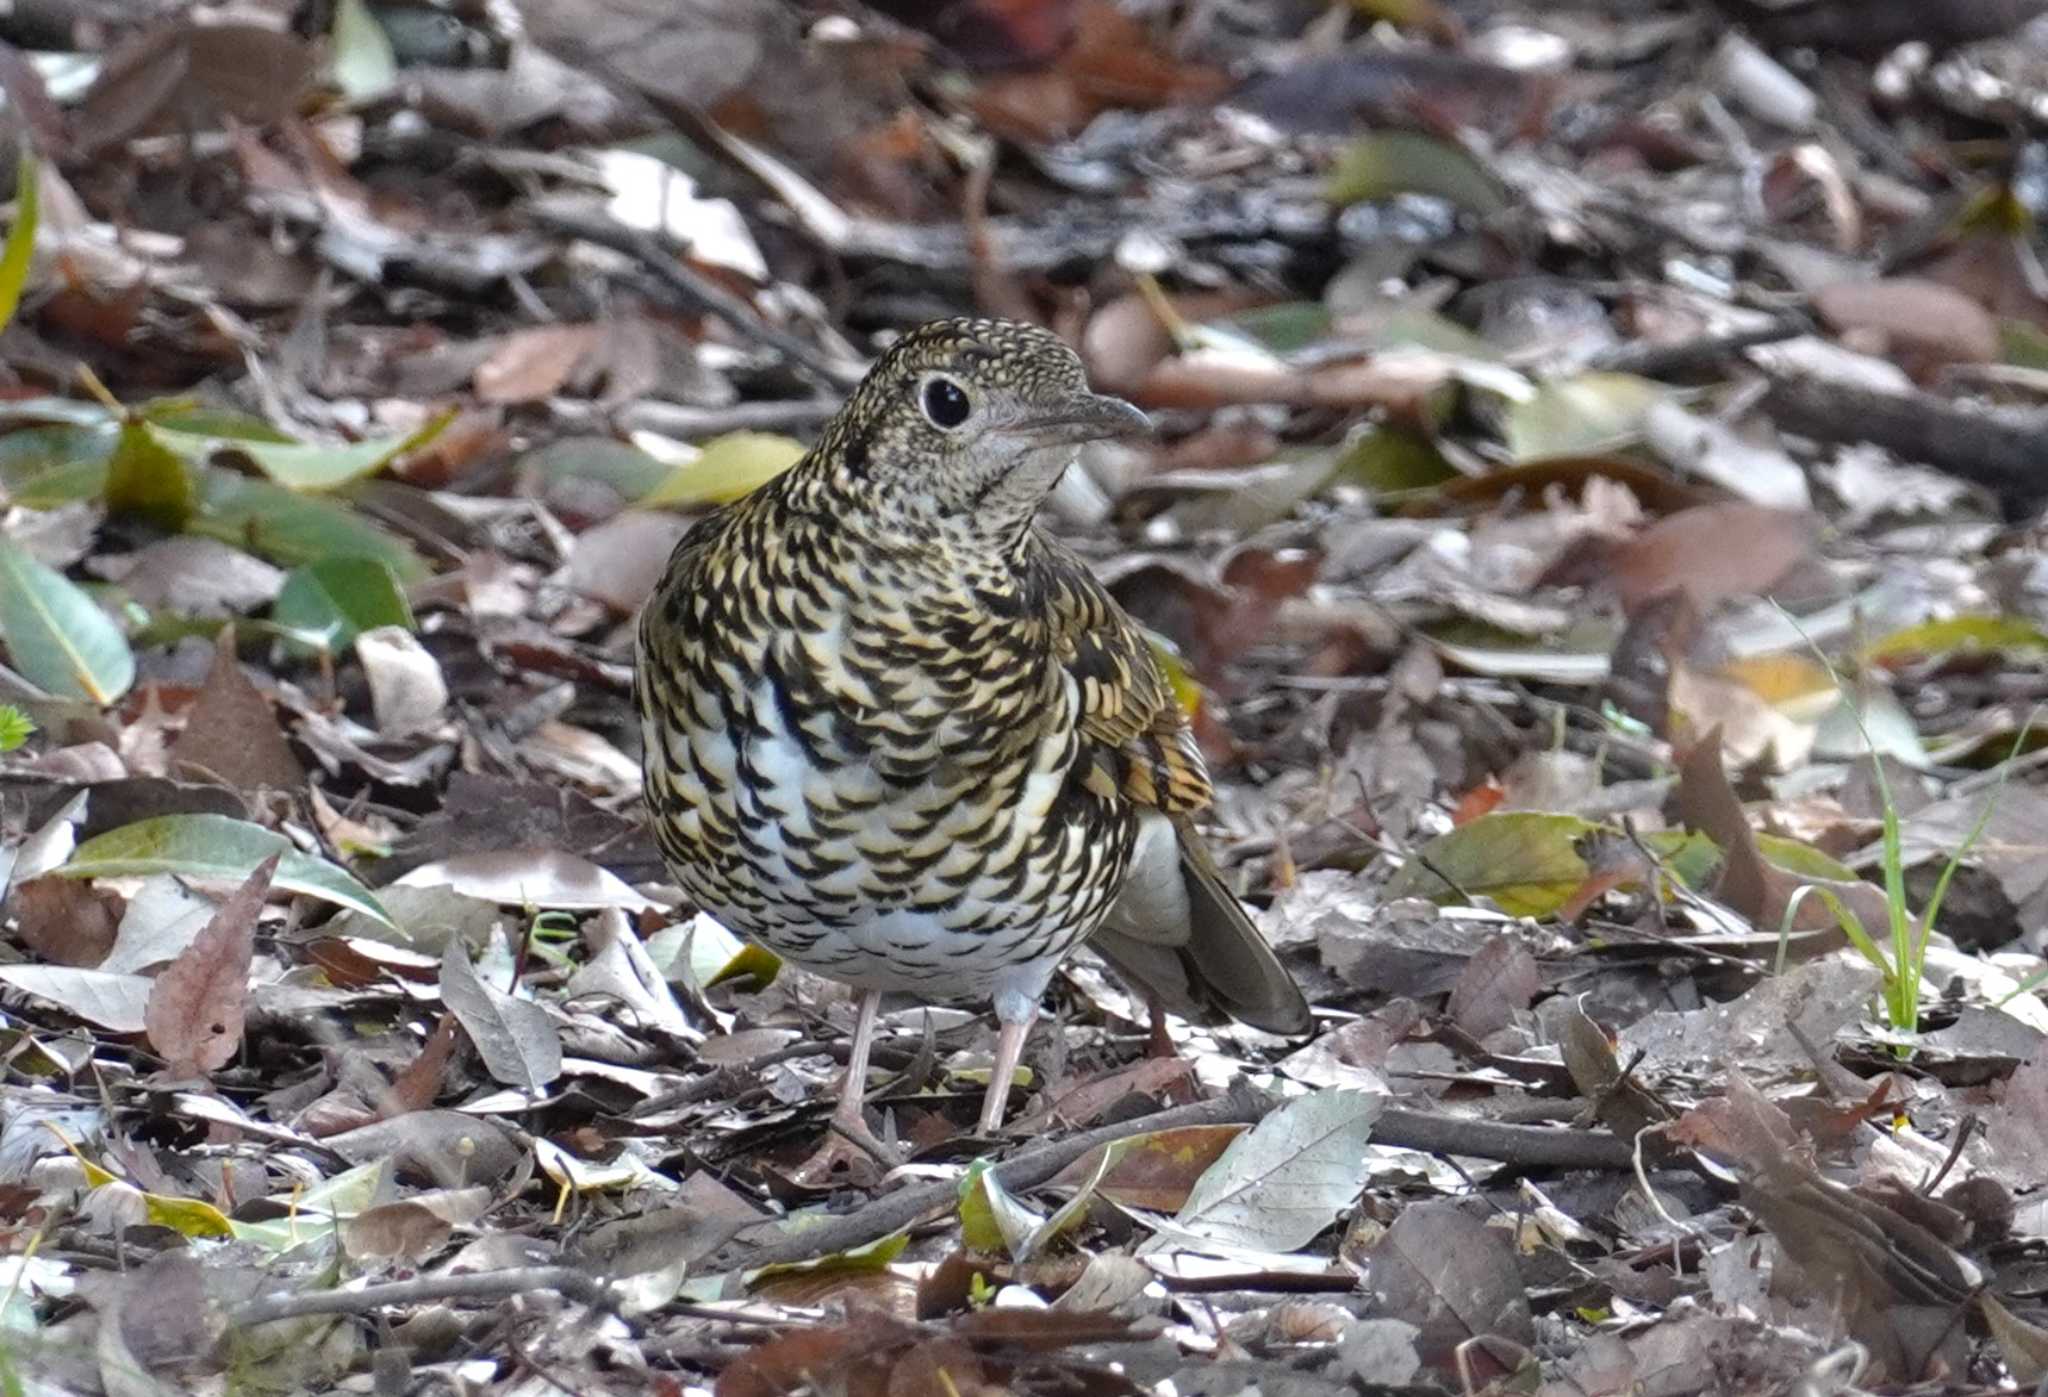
(481, 1285)
(700, 291)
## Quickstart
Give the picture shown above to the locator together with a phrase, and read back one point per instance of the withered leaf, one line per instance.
(196, 1007)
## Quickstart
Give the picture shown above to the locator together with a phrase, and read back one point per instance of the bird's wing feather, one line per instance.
(1128, 710)
(1177, 930)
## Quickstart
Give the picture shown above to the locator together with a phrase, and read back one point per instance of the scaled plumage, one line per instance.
(902, 738)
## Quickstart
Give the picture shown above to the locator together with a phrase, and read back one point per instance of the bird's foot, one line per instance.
(851, 1153)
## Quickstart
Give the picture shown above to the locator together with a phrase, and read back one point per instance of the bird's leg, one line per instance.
(853, 1088)
(850, 1139)
(1009, 1052)
(1159, 1043)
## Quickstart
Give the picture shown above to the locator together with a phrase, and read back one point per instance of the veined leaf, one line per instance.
(59, 638)
(218, 848)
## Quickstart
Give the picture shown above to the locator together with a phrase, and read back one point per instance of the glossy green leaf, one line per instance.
(993, 1221)
(331, 602)
(220, 849)
(290, 528)
(20, 249)
(1287, 328)
(59, 638)
(1686, 855)
(1526, 862)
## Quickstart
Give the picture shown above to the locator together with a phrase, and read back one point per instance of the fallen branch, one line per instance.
(1529, 1145)
(2001, 451)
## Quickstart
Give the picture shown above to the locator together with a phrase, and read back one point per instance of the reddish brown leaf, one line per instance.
(195, 1011)
(534, 364)
(231, 734)
(66, 921)
(1496, 984)
(1712, 553)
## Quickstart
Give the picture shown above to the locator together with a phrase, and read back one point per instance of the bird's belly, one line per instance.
(940, 889)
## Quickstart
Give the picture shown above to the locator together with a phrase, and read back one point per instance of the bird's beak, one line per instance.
(1084, 416)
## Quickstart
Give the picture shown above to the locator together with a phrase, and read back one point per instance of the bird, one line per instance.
(899, 735)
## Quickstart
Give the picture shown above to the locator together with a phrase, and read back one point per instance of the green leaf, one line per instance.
(1580, 416)
(1527, 862)
(1288, 328)
(1803, 859)
(865, 1260)
(329, 603)
(1390, 461)
(731, 466)
(1687, 855)
(75, 412)
(16, 727)
(146, 480)
(305, 465)
(58, 463)
(624, 467)
(60, 640)
(362, 65)
(1386, 163)
(218, 848)
(290, 528)
(187, 1216)
(20, 248)
(190, 417)
(1957, 634)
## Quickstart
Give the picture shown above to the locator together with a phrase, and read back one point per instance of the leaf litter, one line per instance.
(1595, 526)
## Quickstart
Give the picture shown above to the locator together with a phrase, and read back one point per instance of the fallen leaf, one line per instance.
(197, 1004)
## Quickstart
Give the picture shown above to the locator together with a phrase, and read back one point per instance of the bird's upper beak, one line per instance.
(1084, 416)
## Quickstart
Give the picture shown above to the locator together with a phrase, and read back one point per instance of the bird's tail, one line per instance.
(1214, 962)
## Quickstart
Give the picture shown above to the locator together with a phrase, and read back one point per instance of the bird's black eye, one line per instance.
(945, 403)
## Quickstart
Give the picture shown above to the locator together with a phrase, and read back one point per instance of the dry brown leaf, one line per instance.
(534, 364)
(1713, 553)
(231, 733)
(195, 1012)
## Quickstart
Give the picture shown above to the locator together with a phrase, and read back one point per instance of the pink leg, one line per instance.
(1009, 1051)
(853, 1089)
(848, 1142)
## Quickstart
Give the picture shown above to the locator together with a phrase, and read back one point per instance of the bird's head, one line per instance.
(967, 423)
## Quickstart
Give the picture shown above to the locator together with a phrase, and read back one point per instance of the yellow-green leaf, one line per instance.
(149, 481)
(731, 466)
(1385, 163)
(20, 248)
(1527, 862)
(187, 1216)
